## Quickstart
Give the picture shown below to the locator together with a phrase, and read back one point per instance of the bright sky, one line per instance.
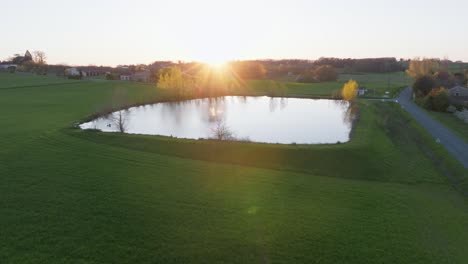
(115, 32)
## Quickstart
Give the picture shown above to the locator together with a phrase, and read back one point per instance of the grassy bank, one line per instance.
(451, 121)
(69, 196)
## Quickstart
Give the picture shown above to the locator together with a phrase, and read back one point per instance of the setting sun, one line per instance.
(215, 61)
(216, 64)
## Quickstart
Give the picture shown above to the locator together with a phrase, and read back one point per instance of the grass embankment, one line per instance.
(452, 122)
(85, 197)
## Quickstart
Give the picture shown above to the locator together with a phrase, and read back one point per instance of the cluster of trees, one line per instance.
(198, 81)
(323, 73)
(259, 69)
(174, 80)
(377, 65)
(35, 62)
(279, 68)
(431, 80)
(248, 69)
(437, 100)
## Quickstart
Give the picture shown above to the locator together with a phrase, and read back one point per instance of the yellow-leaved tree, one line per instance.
(422, 67)
(176, 81)
(350, 90)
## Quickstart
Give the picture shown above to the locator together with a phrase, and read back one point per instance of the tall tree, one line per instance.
(39, 57)
(174, 80)
(421, 67)
(423, 85)
(349, 90)
(325, 73)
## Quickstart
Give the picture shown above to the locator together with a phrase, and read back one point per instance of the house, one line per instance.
(458, 95)
(125, 77)
(8, 67)
(458, 91)
(27, 56)
(141, 76)
(72, 72)
(92, 71)
(361, 91)
(22, 59)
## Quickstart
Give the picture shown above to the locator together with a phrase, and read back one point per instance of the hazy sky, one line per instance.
(141, 31)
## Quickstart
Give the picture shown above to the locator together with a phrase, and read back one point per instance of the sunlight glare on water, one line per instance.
(258, 119)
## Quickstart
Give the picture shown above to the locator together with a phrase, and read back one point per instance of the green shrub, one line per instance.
(74, 77)
(11, 69)
(437, 100)
(326, 73)
(110, 76)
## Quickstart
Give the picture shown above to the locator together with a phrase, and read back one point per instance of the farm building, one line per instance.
(361, 91)
(125, 77)
(142, 76)
(458, 91)
(459, 95)
(72, 72)
(8, 67)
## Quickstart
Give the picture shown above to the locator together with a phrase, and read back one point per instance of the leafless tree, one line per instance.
(39, 57)
(120, 120)
(222, 132)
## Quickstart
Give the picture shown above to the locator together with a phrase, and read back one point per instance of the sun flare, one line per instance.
(216, 64)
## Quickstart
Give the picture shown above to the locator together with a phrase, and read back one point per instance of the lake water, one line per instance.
(258, 119)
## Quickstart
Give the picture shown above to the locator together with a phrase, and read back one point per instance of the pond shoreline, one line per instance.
(110, 110)
(259, 118)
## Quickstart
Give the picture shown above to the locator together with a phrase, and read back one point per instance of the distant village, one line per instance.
(32, 63)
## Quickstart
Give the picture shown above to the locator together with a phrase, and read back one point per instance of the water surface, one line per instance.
(258, 119)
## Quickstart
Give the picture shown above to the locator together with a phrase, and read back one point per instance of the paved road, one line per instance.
(455, 145)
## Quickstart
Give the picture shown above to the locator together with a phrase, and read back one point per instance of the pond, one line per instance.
(258, 119)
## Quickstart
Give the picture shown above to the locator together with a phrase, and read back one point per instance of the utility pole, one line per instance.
(388, 82)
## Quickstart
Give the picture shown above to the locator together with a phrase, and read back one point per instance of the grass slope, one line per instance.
(69, 196)
(451, 121)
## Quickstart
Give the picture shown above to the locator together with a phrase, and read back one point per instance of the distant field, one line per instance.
(376, 83)
(69, 196)
(379, 83)
(8, 80)
(458, 67)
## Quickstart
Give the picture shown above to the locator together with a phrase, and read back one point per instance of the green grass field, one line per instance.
(458, 67)
(379, 83)
(376, 83)
(9, 81)
(69, 196)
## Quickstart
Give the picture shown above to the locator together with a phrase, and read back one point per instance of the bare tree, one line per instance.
(39, 57)
(222, 132)
(119, 118)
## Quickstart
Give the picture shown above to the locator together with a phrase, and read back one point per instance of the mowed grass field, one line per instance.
(68, 196)
(9, 81)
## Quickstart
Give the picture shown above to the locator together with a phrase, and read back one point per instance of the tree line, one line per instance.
(432, 79)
